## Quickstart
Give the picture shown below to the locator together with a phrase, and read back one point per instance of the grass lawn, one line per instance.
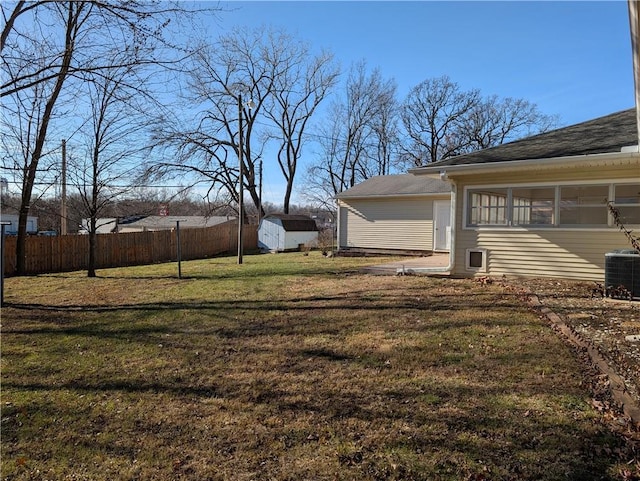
(289, 367)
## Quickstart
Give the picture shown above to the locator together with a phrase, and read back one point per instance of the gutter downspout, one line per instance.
(452, 249)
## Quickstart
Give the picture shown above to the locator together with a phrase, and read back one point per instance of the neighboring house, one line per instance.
(12, 227)
(404, 213)
(538, 206)
(104, 225)
(153, 223)
(284, 232)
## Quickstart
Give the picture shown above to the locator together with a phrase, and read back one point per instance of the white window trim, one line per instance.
(467, 260)
(510, 228)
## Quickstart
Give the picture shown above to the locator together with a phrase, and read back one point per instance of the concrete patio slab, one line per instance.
(435, 261)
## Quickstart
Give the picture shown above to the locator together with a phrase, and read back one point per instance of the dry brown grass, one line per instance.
(290, 367)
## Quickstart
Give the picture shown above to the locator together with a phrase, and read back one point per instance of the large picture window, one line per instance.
(553, 206)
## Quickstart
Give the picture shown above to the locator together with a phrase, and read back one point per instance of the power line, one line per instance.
(113, 186)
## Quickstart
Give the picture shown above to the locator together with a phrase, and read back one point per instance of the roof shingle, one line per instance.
(391, 185)
(598, 136)
(294, 222)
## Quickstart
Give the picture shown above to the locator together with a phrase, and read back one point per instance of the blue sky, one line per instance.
(572, 59)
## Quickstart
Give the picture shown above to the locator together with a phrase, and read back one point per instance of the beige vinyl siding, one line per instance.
(404, 224)
(570, 253)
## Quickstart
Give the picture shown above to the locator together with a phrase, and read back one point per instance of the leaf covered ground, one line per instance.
(292, 367)
(611, 325)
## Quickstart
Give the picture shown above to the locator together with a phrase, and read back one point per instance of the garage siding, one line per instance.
(403, 224)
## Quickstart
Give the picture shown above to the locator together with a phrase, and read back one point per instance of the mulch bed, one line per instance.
(611, 325)
(608, 327)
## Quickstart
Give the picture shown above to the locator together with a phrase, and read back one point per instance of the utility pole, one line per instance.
(63, 191)
(240, 181)
(4, 186)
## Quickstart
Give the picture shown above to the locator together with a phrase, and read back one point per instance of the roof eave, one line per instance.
(390, 196)
(589, 160)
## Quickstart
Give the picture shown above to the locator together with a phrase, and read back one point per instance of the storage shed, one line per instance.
(284, 232)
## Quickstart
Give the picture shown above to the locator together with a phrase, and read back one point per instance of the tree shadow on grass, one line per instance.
(450, 427)
(354, 300)
(245, 319)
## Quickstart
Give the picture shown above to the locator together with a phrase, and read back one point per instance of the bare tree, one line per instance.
(105, 23)
(495, 121)
(21, 118)
(433, 114)
(386, 139)
(442, 121)
(113, 139)
(358, 137)
(300, 85)
(73, 16)
(46, 45)
(275, 73)
(10, 19)
(219, 76)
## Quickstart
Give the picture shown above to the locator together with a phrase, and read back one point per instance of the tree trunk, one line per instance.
(93, 241)
(32, 168)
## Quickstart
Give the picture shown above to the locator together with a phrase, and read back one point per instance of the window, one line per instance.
(553, 206)
(627, 201)
(533, 205)
(488, 207)
(584, 205)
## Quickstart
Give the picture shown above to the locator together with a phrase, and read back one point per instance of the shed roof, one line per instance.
(394, 185)
(294, 222)
(606, 134)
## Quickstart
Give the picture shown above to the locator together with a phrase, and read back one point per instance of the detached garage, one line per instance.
(285, 232)
(404, 213)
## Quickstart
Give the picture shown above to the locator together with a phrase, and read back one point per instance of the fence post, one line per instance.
(179, 250)
(2, 224)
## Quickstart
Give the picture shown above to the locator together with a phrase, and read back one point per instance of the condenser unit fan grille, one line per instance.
(622, 273)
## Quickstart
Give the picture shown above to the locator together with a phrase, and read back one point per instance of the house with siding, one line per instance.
(538, 206)
(144, 223)
(397, 213)
(11, 224)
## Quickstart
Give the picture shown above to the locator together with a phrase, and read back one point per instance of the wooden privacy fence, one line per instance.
(71, 252)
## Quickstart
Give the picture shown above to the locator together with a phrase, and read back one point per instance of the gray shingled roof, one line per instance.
(602, 135)
(169, 221)
(391, 185)
(294, 222)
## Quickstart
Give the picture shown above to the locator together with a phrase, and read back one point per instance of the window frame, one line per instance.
(557, 221)
(492, 207)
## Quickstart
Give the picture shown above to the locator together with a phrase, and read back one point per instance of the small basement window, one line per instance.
(476, 260)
